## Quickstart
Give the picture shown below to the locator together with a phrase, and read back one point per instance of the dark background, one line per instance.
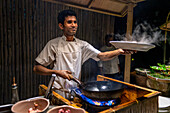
(27, 25)
(154, 12)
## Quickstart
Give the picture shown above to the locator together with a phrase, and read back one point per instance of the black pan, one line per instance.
(101, 90)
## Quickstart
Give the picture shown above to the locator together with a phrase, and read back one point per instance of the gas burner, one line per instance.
(108, 103)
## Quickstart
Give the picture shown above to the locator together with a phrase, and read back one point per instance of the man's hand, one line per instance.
(126, 51)
(63, 73)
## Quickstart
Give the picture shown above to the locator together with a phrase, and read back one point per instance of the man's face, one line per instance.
(70, 26)
(108, 40)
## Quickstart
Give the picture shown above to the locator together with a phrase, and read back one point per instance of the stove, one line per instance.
(81, 101)
(145, 100)
(91, 101)
(94, 106)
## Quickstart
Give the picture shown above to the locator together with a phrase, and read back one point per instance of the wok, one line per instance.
(101, 90)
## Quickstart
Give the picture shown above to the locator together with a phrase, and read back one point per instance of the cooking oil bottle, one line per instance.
(15, 97)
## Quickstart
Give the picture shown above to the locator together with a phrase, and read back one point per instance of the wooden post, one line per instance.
(128, 36)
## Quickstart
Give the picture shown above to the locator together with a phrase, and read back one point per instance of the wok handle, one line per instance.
(75, 79)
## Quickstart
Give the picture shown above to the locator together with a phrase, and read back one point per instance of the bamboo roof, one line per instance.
(109, 7)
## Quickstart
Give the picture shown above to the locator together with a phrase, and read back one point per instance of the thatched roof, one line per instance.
(109, 7)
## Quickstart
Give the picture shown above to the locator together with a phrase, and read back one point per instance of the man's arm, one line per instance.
(39, 69)
(104, 56)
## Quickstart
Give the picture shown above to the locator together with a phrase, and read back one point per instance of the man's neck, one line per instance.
(69, 38)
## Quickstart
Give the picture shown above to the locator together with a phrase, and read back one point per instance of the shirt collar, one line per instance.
(64, 38)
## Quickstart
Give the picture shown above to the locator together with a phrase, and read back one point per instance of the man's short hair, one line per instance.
(65, 13)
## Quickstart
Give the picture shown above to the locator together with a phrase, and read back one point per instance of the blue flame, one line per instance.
(94, 102)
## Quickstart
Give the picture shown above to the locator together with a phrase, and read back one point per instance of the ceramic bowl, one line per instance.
(25, 105)
(57, 109)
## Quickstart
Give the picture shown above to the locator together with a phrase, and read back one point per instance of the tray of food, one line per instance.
(141, 71)
(132, 45)
(160, 73)
(161, 67)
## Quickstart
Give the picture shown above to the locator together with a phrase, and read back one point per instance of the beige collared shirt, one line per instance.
(67, 55)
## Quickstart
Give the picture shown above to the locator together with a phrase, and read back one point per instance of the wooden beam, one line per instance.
(90, 3)
(152, 92)
(128, 1)
(128, 36)
(124, 11)
(129, 21)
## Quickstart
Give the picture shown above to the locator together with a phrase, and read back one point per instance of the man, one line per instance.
(68, 53)
(110, 68)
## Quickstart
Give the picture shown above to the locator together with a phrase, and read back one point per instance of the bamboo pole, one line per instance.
(164, 58)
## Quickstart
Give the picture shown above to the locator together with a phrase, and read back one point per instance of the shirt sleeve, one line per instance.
(47, 55)
(89, 52)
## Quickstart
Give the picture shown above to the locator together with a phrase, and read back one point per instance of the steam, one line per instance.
(144, 33)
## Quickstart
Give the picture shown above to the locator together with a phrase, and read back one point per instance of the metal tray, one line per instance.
(132, 45)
